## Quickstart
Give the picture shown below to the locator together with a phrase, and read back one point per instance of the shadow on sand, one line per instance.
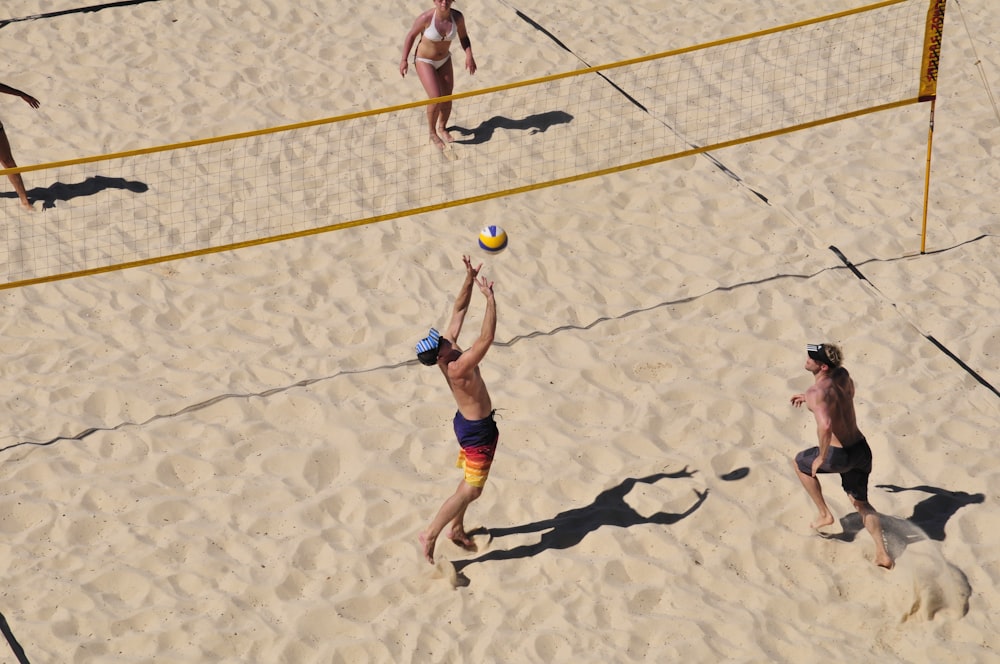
(89, 187)
(534, 124)
(931, 514)
(568, 528)
(927, 521)
(938, 585)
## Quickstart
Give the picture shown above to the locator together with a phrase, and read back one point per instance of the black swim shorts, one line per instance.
(853, 464)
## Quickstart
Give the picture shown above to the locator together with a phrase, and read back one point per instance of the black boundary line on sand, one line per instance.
(718, 164)
(78, 10)
(940, 346)
(12, 641)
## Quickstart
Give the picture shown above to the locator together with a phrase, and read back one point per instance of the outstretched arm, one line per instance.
(461, 307)
(31, 101)
(474, 355)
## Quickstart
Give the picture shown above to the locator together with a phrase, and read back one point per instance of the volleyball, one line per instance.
(492, 239)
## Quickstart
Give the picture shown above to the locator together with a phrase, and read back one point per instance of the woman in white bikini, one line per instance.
(436, 28)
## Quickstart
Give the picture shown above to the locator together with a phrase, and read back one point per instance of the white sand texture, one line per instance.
(229, 458)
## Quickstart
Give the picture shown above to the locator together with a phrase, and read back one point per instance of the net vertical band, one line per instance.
(933, 36)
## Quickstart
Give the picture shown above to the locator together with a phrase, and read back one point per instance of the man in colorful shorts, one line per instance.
(842, 447)
(474, 426)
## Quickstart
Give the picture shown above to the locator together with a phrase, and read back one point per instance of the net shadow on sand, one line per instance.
(75, 10)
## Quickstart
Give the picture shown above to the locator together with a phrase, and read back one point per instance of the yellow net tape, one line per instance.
(145, 206)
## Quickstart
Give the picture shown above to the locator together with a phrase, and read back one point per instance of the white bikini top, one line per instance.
(432, 34)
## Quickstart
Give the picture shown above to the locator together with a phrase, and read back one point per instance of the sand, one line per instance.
(229, 458)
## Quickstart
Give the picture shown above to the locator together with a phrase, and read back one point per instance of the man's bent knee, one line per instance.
(471, 492)
(862, 506)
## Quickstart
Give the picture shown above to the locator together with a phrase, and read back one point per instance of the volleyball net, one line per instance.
(175, 201)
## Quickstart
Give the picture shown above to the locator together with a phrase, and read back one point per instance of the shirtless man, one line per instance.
(842, 447)
(474, 426)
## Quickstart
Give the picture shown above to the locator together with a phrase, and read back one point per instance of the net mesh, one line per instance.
(174, 201)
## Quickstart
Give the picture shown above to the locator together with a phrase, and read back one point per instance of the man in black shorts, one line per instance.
(842, 447)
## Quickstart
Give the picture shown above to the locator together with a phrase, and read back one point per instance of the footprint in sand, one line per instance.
(938, 585)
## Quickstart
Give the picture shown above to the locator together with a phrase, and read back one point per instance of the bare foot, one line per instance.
(445, 135)
(460, 538)
(436, 140)
(428, 546)
(26, 204)
(884, 560)
(822, 520)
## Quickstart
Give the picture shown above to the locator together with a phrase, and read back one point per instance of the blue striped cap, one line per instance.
(428, 346)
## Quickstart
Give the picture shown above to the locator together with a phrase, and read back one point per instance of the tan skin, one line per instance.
(461, 372)
(831, 400)
(6, 157)
(437, 82)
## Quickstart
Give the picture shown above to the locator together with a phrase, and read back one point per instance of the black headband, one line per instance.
(818, 353)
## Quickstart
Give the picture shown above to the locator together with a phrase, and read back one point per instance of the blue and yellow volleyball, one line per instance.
(493, 239)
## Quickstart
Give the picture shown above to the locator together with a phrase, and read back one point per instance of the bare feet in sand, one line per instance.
(428, 547)
(445, 135)
(885, 560)
(437, 142)
(822, 520)
(456, 535)
(461, 539)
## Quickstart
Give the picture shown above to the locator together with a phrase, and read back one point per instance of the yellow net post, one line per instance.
(928, 92)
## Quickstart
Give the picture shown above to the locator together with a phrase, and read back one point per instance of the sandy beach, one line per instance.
(229, 458)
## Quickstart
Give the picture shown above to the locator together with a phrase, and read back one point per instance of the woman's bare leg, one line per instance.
(7, 159)
(430, 80)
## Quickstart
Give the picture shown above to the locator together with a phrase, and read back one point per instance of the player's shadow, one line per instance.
(568, 528)
(94, 184)
(938, 585)
(534, 124)
(927, 521)
(931, 514)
